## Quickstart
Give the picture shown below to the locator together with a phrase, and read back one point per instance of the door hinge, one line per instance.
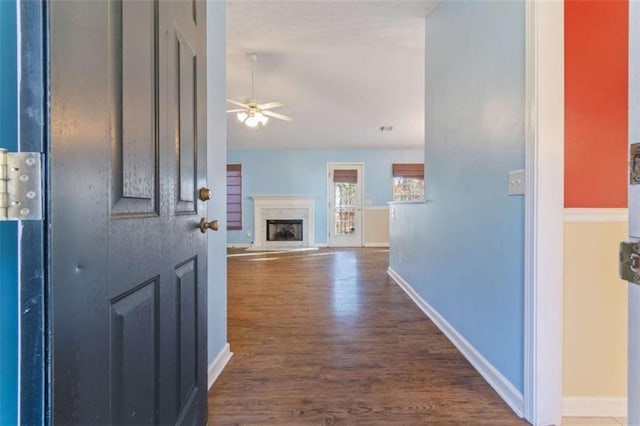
(20, 185)
(629, 265)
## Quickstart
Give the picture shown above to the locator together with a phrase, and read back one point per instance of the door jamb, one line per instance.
(34, 390)
(544, 204)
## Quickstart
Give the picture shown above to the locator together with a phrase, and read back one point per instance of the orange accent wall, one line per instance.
(596, 91)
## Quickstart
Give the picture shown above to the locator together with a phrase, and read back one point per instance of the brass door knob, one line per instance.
(204, 225)
(204, 193)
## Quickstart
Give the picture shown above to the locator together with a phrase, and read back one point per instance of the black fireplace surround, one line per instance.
(284, 230)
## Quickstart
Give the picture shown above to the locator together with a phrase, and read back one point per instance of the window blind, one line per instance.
(345, 176)
(234, 196)
(408, 170)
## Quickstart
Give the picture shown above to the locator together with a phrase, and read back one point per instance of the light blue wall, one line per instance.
(216, 177)
(463, 251)
(8, 230)
(304, 172)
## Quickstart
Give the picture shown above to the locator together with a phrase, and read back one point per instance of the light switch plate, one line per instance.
(516, 182)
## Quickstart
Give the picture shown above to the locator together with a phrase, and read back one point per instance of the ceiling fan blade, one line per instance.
(270, 105)
(237, 103)
(276, 115)
(237, 110)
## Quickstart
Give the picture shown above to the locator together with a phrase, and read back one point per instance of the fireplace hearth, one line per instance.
(284, 230)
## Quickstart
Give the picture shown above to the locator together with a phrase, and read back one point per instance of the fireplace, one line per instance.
(291, 215)
(284, 230)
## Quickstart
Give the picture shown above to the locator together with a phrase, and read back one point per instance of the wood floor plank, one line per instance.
(325, 337)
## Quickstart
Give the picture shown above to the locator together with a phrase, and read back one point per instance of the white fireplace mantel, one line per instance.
(274, 207)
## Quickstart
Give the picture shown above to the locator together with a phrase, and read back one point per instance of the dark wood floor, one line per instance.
(326, 337)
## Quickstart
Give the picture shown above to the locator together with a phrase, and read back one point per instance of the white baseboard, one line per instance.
(218, 364)
(321, 245)
(596, 215)
(381, 244)
(512, 396)
(238, 245)
(594, 406)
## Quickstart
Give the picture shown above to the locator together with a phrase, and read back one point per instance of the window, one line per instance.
(346, 200)
(408, 182)
(234, 197)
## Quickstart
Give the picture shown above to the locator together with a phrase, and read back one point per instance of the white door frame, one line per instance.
(633, 291)
(544, 205)
(347, 165)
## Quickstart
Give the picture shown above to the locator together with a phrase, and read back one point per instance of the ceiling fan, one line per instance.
(252, 112)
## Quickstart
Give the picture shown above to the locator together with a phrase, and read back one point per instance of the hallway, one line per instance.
(325, 337)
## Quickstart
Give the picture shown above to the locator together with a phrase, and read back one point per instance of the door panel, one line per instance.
(135, 343)
(186, 66)
(137, 84)
(188, 328)
(128, 260)
(133, 89)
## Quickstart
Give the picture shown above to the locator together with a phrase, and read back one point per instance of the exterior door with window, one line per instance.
(128, 260)
(345, 204)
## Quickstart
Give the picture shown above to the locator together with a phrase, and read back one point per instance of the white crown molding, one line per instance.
(498, 382)
(596, 215)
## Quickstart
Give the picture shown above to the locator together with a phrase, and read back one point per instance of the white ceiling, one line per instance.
(343, 69)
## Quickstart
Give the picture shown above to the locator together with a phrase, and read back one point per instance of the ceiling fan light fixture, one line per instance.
(261, 118)
(251, 113)
(252, 121)
(242, 116)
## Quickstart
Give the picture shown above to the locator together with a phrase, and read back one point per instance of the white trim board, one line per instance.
(544, 205)
(602, 406)
(218, 364)
(238, 245)
(498, 382)
(596, 215)
(378, 244)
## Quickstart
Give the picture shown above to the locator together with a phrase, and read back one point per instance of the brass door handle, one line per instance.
(204, 225)
(204, 193)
